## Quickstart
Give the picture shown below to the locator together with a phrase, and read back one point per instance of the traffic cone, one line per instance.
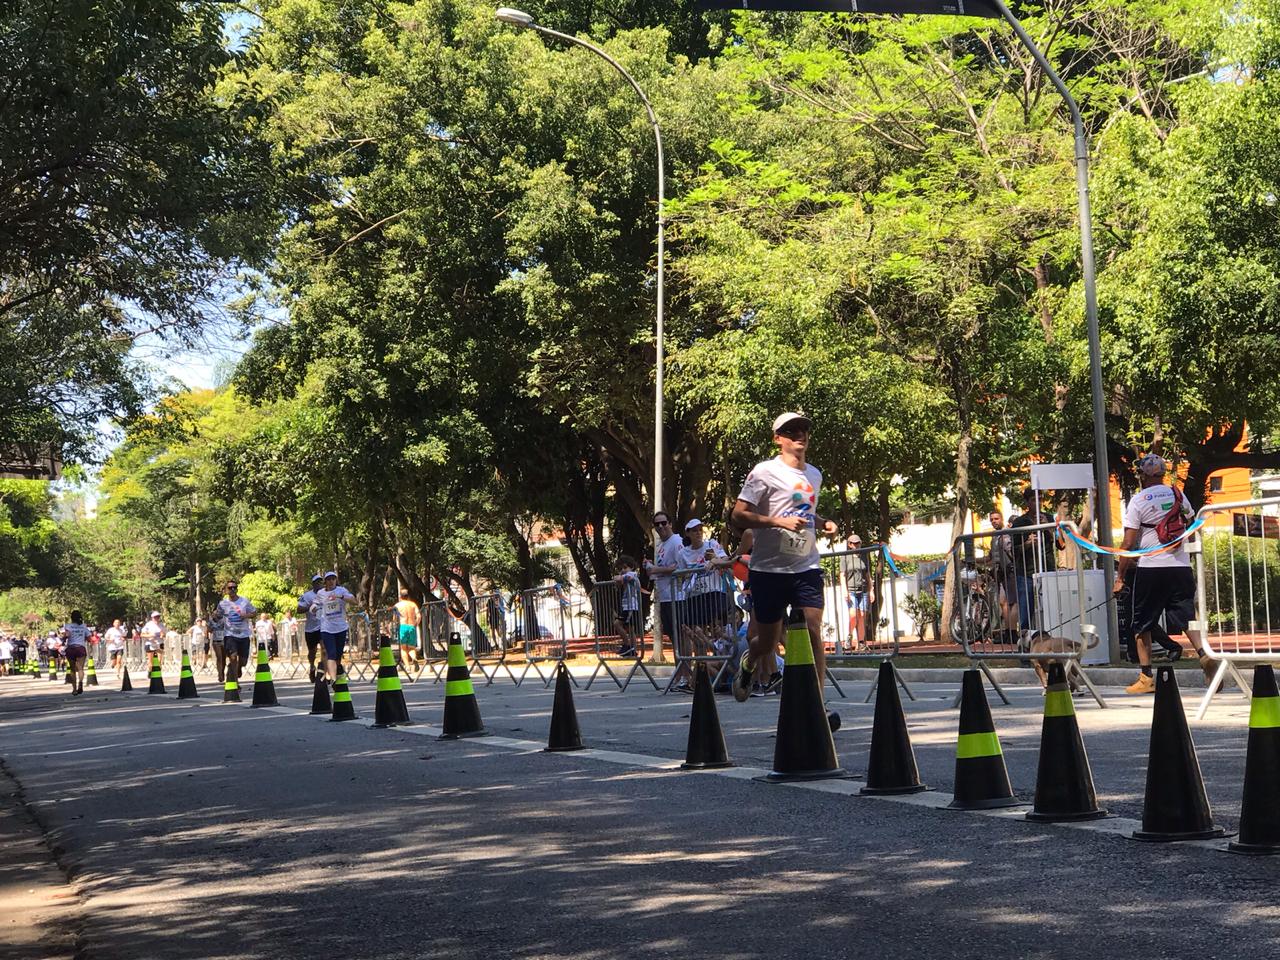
(804, 748)
(71, 675)
(461, 711)
(389, 708)
(126, 685)
(264, 688)
(90, 674)
(157, 680)
(1260, 809)
(1064, 782)
(982, 782)
(187, 680)
(34, 669)
(343, 709)
(1176, 806)
(53, 668)
(320, 699)
(891, 766)
(565, 734)
(705, 749)
(231, 690)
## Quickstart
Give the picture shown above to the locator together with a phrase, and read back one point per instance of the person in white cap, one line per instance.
(153, 635)
(704, 608)
(311, 624)
(1163, 583)
(238, 612)
(331, 604)
(779, 501)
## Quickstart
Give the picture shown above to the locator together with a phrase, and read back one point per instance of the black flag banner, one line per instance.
(957, 8)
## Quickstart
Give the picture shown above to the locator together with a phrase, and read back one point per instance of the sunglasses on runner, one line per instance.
(793, 433)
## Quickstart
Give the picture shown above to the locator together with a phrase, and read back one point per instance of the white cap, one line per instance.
(331, 573)
(695, 522)
(785, 418)
(155, 613)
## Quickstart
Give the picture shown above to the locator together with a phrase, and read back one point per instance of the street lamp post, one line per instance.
(519, 18)
(996, 9)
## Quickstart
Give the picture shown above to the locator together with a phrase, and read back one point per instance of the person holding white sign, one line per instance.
(779, 501)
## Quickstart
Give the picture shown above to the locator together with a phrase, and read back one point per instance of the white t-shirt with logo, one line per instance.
(629, 598)
(692, 556)
(77, 634)
(1147, 508)
(332, 607)
(239, 614)
(115, 638)
(778, 490)
(670, 554)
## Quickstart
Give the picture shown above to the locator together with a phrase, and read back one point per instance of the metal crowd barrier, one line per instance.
(706, 625)
(488, 621)
(858, 591)
(361, 655)
(542, 618)
(1237, 564)
(619, 636)
(433, 633)
(1056, 608)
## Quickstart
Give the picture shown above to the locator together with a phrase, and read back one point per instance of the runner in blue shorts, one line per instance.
(331, 605)
(779, 501)
(238, 612)
(311, 624)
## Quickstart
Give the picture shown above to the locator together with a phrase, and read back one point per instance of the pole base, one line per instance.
(1066, 817)
(892, 791)
(580, 746)
(775, 777)
(1150, 837)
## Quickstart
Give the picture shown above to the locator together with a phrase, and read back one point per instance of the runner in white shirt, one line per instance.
(1164, 584)
(200, 641)
(115, 645)
(6, 655)
(331, 604)
(77, 637)
(311, 624)
(265, 631)
(779, 501)
(238, 612)
(153, 635)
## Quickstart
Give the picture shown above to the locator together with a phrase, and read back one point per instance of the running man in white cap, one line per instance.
(331, 604)
(779, 501)
(238, 612)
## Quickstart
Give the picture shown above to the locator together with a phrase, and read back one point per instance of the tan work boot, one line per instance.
(1144, 684)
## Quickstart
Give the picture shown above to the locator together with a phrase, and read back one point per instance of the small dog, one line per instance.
(1042, 643)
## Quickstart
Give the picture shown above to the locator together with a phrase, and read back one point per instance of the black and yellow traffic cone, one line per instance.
(187, 680)
(1260, 808)
(321, 702)
(804, 748)
(231, 690)
(891, 765)
(461, 711)
(34, 669)
(564, 734)
(705, 749)
(389, 708)
(982, 782)
(157, 680)
(53, 668)
(1176, 806)
(343, 708)
(1064, 782)
(264, 688)
(71, 675)
(90, 674)
(126, 685)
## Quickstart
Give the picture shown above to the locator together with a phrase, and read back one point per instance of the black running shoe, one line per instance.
(742, 679)
(833, 720)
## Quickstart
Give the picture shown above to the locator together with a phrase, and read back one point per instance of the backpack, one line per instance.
(1173, 524)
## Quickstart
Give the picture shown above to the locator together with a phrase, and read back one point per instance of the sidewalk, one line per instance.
(35, 898)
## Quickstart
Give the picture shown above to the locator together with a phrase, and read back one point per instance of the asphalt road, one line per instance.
(196, 829)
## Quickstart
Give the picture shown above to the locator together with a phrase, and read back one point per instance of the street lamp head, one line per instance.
(517, 18)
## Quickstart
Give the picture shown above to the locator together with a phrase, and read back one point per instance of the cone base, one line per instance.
(274, 703)
(341, 719)
(775, 777)
(1151, 837)
(393, 723)
(1066, 817)
(709, 765)
(576, 746)
(1253, 849)
(320, 713)
(463, 736)
(893, 791)
(187, 696)
(993, 804)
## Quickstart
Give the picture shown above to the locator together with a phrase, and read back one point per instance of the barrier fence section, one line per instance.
(705, 625)
(1237, 565)
(490, 626)
(361, 655)
(860, 612)
(1012, 602)
(618, 630)
(542, 620)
